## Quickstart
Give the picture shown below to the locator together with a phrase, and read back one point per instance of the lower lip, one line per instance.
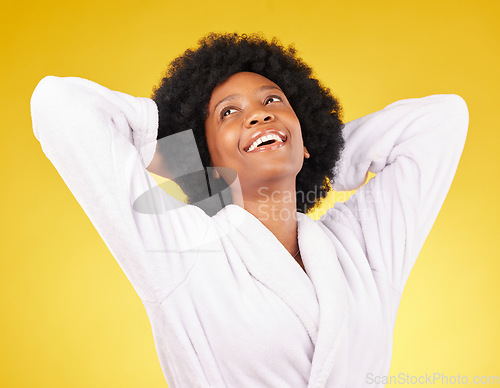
(269, 147)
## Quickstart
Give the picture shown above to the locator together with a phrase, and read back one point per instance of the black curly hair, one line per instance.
(184, 93)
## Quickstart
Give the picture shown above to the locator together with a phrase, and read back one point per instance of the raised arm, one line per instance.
(414, 147)
(100, 142)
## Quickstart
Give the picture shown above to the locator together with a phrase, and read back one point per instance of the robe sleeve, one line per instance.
(100, 141)
(413, 146)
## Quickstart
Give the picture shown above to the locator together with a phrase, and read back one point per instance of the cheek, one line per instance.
(211, 143)
(228, 145)
(291, 119)
(295, 124)
(223, 145)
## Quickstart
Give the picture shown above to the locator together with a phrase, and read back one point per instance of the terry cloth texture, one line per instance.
(228, 305)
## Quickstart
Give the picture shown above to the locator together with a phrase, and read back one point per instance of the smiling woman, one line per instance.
(258, 294)
(201, 78)
(255, 133)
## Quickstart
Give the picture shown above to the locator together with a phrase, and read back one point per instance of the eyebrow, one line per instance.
(233, 96)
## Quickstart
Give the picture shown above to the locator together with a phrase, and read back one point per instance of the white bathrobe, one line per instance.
(228, 305)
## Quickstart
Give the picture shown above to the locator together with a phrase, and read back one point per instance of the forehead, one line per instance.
(239, 83)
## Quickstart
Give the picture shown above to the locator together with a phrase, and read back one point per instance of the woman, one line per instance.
(257, 295)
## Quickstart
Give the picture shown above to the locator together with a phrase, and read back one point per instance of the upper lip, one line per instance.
(264, 132)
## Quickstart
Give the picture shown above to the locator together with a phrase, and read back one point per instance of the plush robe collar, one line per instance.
(324, 278)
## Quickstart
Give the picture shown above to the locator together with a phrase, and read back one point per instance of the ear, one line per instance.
(306, 153)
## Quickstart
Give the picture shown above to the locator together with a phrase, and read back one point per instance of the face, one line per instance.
(252, 128)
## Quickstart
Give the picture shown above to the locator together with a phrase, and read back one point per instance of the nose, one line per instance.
(258, 116)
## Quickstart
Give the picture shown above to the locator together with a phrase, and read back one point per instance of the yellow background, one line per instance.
(70, 318)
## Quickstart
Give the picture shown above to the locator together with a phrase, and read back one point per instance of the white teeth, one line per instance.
(263, 139)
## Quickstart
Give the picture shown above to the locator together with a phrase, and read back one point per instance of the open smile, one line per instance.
(267, 140)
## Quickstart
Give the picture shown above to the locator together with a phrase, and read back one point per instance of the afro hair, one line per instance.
(183, 95)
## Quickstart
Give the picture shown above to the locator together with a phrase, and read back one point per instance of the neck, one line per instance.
(276, 207)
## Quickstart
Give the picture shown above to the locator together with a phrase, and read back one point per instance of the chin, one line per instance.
(275, 174)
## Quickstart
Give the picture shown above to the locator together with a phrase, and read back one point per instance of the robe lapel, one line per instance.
(325, 283)
(322, 265)
(273, 266)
